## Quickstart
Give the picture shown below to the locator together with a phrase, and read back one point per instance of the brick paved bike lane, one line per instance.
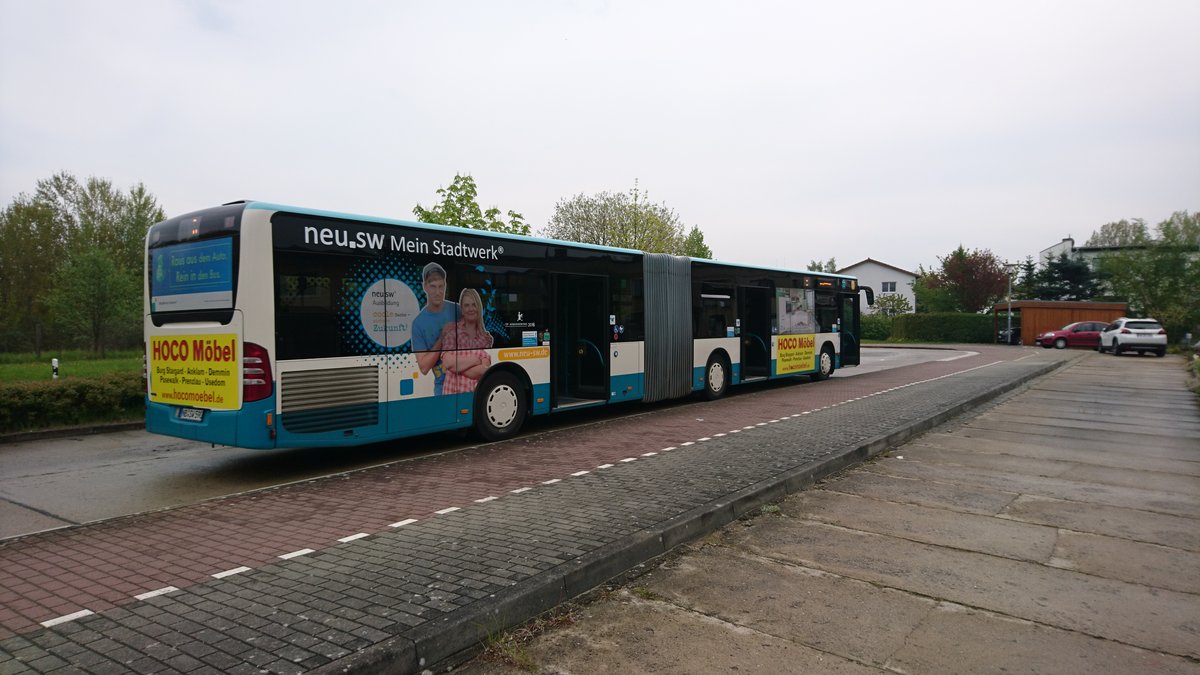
(410, 561)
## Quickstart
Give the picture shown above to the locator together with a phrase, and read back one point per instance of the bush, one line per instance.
(943, 327)
(57, 403)
(876, 327)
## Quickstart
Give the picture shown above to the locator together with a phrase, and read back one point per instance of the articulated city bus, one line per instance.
(271, 326)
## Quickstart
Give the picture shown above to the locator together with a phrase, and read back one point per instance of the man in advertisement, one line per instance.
(428, 326)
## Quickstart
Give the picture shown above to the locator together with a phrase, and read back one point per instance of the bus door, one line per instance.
(850, 329)
(579, 371)
(754, 314)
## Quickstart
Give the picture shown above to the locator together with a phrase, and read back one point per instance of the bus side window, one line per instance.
(514, 300)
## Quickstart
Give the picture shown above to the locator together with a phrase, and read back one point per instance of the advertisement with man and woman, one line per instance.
(449, 338)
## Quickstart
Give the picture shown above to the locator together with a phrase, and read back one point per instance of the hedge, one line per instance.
(57, 403)
(943, 327)
(876, 326)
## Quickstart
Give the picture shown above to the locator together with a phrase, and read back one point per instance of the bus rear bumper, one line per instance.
(246, 428)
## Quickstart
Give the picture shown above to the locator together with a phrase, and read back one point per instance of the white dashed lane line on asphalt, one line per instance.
(297, 554)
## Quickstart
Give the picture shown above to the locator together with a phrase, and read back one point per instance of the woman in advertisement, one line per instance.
(463, 345)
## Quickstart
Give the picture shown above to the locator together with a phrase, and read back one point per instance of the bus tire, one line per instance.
(500, 407)
(824, 365)
(716, 377)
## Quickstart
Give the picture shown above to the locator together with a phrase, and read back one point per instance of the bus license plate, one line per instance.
(190, 414)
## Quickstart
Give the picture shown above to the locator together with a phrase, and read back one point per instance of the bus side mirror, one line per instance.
(870, 294)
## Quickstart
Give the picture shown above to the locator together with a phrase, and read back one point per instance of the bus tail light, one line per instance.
(257, 383)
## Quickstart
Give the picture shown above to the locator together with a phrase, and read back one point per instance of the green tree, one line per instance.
(892, 304)
(694, 246)
(968, 281)
(32, 248)
(818, 266)
(1121, 233)
(96, 300)
(1160, 278)
(931, 294)
(1066, 278)
(626, 220)
(1026, 279)
(458, 207)
(63, 220)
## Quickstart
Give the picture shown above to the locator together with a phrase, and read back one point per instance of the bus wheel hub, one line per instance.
(502, 406)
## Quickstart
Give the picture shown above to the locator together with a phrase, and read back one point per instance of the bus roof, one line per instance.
(269, 206)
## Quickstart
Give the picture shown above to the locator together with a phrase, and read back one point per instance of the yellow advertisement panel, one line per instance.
(195, 370)
(795, 354)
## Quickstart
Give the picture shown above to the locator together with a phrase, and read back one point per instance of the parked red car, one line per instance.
(1078, 334)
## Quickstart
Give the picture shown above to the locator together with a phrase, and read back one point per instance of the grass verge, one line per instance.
(29, 368)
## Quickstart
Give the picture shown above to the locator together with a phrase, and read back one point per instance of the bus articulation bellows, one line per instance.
(272, 326)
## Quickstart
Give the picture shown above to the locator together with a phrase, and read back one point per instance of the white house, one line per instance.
(885, 279)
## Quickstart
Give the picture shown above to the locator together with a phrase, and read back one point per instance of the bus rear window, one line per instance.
(191, 276)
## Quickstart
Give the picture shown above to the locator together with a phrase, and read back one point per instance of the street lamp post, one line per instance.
(1008, 270)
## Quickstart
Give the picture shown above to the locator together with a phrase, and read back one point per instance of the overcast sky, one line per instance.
(786, 131)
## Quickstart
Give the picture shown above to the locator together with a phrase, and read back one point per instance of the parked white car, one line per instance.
(1129, 335)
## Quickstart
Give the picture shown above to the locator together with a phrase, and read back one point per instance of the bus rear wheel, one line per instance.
(824, 365)
(500, 407)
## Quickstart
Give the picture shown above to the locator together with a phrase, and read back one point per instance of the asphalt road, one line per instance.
(56, 482)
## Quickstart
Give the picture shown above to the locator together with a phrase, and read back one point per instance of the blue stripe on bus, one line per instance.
(245, 428)
(541, 391)
(619, 383)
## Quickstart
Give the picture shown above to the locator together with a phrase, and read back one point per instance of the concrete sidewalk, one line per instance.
(1057, 531)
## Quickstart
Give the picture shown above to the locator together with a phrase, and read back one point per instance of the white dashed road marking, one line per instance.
(70, 617)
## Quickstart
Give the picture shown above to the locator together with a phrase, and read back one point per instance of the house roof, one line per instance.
(881, 264)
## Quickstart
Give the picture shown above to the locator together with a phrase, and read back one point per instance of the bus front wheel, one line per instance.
(500, 407)
(716, 378)
(824, 365)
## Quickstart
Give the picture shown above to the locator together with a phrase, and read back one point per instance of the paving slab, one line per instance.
(1147, 497)
(1037, 450)
(944, 525)
(1154, 565)
(1133, 524)
(1126, 612)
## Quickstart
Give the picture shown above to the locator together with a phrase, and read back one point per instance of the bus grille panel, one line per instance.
(668, 326)
(315, 401)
